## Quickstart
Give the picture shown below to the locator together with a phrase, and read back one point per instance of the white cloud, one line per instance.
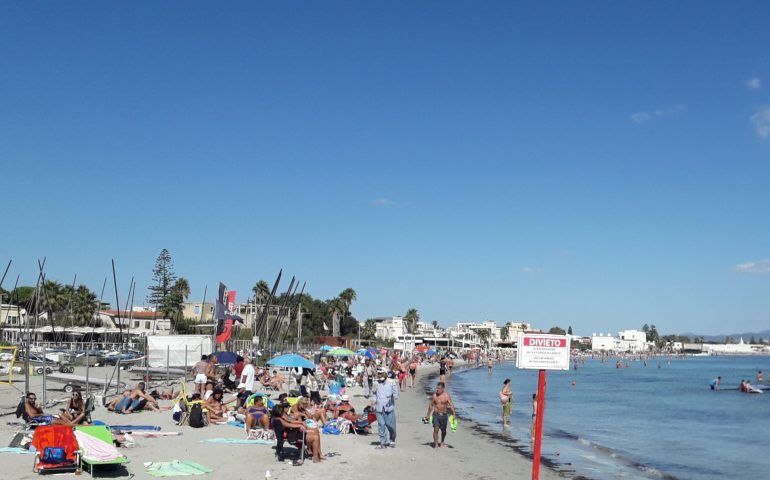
(761, 121)
(759, 267)
(754, 83)
(529, 270)
(642, 117)
(381, 202)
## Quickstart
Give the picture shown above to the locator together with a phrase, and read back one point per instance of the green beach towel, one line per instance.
(176, 468)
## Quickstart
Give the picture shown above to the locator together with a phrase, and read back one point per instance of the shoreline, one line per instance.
(498, 438)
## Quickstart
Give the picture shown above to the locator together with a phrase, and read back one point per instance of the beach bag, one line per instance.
(54, 455)
(196, 419)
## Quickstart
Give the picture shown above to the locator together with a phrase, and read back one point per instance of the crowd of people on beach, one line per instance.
(259, 399)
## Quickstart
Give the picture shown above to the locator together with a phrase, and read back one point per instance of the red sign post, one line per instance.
(541, 352)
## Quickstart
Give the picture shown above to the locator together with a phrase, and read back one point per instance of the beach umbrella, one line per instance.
(422, 348)
(342, 352)
(366, 353)
(374, 350)
(291, 360)
(226, 358)
(326, 348)
(430, 352)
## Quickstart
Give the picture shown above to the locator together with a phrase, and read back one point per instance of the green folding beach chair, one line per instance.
(100, 433)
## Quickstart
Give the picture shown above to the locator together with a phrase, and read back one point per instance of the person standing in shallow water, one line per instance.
(506, 398)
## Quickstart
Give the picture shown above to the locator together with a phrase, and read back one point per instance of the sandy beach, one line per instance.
(470, 453)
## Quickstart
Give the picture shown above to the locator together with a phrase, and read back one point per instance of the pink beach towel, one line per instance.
(95, 449)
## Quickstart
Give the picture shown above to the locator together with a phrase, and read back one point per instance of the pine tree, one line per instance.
(163, 280)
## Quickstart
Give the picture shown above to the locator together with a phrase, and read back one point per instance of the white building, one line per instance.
(626, 341)
(390, 328)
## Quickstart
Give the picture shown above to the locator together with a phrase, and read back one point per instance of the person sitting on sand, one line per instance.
(111, 406)
(137, 400)
(75, 411)
(216, 407)
(209, 390)
(257, 414)
(280, 421)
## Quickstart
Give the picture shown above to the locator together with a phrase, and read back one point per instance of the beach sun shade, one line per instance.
(422, 348)
(430, 352)
(326, 348)
(291, 360)
(226, 358)
(342, 352)
(366, 353)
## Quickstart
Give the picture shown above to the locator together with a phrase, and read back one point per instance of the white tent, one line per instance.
(177, 350)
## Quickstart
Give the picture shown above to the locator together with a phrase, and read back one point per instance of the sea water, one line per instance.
(655, 421)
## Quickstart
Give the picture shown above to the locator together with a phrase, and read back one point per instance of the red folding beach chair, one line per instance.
(56, 449)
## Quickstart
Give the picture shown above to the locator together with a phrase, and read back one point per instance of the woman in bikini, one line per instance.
(312, 435)
(308, 411)
(75, 412)
(257, 414)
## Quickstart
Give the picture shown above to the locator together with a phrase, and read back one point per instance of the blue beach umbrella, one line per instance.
(365, 353)
(430, 352)
(291, 360)
(326, 348)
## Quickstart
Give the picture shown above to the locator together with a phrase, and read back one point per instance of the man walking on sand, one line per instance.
(440, 402)
(383, 399)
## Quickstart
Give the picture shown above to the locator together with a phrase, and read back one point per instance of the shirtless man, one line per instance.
(136, 401)
(32, 411)
(440, 402)
(200, 369)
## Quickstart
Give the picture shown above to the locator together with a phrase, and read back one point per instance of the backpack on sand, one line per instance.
(196, 419)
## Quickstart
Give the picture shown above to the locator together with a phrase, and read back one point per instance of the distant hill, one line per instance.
(721, 338)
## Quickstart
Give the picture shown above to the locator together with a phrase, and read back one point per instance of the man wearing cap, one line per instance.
(383, 400)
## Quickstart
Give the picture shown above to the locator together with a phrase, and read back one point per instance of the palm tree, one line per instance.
(411, 318)
(504, 332)
(261, 292)
(484, 335)
(83, 306)
(176, 299)
(348, 296)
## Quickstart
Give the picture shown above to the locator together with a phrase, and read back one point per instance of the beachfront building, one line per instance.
(136, 323)
(12, 319)
(390, 328)
(626, 341)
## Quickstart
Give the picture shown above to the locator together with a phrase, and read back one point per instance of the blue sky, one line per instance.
(595, 164)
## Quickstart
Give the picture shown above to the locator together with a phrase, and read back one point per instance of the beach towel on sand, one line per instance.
(129, 428)
(175, 468)
(255, 441)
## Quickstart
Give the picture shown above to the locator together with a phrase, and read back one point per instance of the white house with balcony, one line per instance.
(390, 328)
